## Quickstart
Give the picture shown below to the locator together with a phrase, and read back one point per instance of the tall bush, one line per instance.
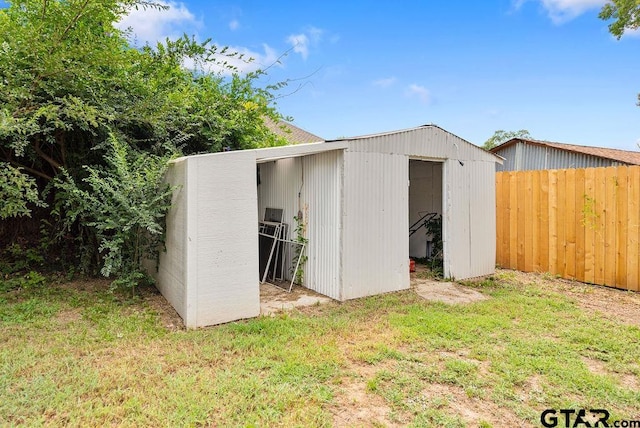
(123, 205)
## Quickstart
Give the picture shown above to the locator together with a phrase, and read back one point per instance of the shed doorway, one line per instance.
(304, 192)
(425, 210)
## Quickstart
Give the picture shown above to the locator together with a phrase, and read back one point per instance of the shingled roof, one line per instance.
(292, 133)
(622, 156)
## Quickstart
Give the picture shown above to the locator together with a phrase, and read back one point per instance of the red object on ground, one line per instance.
(412, 265)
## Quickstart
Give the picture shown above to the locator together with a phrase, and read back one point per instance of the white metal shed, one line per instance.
(357, 196)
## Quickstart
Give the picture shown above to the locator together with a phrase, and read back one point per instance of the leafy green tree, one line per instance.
(625, 15)
(68, 78)
(501, 136)
(71, 84)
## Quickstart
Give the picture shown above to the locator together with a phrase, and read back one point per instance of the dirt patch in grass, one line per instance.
(167, 314)
(473, 411)
(274, 299)
(68, 316)
(148, 295)
(446, 292)
(612, 303)
(355, 405)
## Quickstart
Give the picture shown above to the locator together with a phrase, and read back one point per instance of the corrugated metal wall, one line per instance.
(375, 243)
(322, 198)
(280, 183)
(317, 178)
(425, 196)
(470, 220)
(469, 194)
(524, 157)
(482, 219)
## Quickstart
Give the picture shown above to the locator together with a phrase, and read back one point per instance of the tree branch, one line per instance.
(55, 164)
(31, 170)
(74, 20)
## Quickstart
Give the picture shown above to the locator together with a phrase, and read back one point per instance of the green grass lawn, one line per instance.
(74, 355)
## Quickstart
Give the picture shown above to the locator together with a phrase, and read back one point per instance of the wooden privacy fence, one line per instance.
(581, 224)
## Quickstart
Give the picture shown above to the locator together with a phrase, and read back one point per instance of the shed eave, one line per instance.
(275, 153)
(267, 154)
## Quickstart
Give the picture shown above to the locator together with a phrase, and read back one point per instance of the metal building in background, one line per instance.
(355, 199)
(525, 154)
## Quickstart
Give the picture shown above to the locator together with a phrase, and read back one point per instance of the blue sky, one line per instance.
(548, 66)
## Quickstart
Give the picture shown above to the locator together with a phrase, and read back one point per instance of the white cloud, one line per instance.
(385, 82)
(300, 43)
(315, 34)
(561, 11)
(303, 41)
(150, 25)
(419, 91)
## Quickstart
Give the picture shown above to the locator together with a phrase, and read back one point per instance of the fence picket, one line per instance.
(633, 218)
(570, 224)
(579, 224)
(588, 221)
(621, 228)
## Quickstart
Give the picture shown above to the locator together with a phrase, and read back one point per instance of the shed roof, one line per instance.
(623, 156)
(472, 147)
(291, 133)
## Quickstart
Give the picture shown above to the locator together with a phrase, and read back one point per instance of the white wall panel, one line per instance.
(171, 274)
(223, 242)
(375, 224)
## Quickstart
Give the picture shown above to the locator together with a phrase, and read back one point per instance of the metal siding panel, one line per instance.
(524, 157)
(322, 200)
(469, 220)
(280, 183)
(457, 220)
(375, 243)
(509, 155)
(482, 220)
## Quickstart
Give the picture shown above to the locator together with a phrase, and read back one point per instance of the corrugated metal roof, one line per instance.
(291, 133)
(624, 156)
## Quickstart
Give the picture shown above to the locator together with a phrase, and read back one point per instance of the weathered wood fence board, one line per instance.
(581, 224)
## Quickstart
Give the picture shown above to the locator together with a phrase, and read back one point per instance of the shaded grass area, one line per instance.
(73, 355)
